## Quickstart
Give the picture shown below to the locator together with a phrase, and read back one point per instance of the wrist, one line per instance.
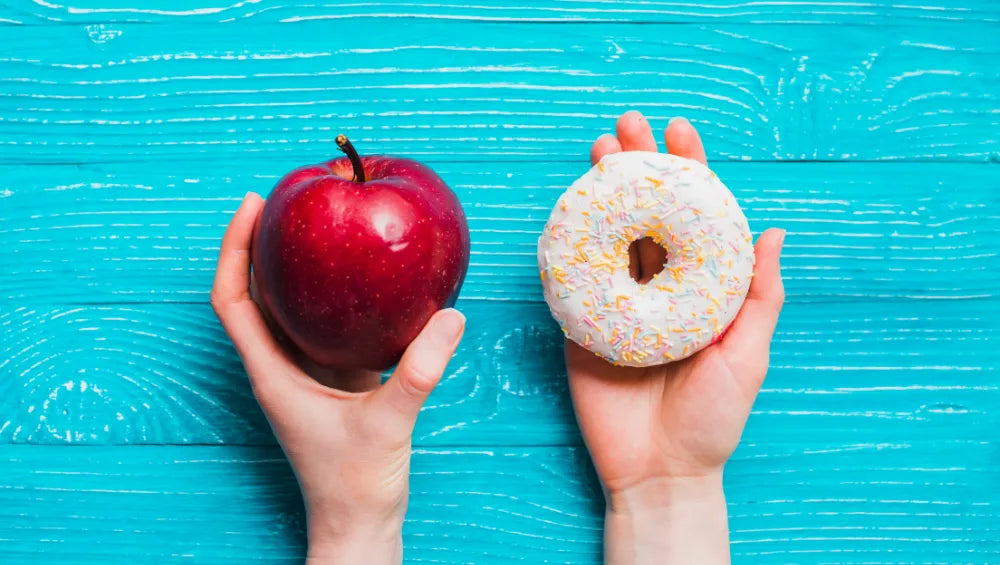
(350, 541)
(661, 494)
(671, 521)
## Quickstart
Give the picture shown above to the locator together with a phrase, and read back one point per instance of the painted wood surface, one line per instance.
(129, 131)
(470, 91)
(149, 233)
(870, 503)
(871, 12)
(841, 373)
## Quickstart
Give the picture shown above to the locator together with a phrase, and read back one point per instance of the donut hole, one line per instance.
(646, 258)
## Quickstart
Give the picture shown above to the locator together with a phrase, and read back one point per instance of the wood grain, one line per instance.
(494, 91)
(139, 233)
(857, 372)
(888, 504)
(129, 130)
(637, 11)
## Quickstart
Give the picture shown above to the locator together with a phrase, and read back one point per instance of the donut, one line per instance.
(583, 258)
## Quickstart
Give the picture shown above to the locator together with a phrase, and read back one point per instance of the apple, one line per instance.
(352, 257)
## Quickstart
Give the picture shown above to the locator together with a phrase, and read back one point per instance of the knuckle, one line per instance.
(774, 294)
(413, 379)
(777, 304)
(779, 298)
(216, 301)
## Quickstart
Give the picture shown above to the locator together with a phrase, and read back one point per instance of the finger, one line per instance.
(278, 333)
(605, 145)
(646, 258)
(652, 256)
(634, 263)
(634, 132)
(422, 365)
(344, 380)
(231, 299)
(683, 140)
(748, 340)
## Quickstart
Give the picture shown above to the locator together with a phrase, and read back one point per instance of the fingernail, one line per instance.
(448, 326)
(633, 114)
(678, 119)
(781, 239)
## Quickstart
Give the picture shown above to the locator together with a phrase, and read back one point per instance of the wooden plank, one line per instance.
(637, 11)
(497, 91)
(916, 502)
(861, 372)
(142, 232)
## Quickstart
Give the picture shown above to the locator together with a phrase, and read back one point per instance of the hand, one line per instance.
(659, 436)
(349, 441)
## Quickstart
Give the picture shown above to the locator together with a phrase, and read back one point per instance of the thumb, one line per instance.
(748, 341)
(422, 365)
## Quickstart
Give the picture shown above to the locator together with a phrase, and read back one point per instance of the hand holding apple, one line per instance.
(350, 450)
(352, 257)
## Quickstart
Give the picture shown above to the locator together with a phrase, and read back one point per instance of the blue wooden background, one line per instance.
(129, 130)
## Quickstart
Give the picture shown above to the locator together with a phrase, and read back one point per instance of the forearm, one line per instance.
(668, 522)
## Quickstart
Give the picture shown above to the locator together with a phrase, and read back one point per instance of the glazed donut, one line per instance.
(583, 258)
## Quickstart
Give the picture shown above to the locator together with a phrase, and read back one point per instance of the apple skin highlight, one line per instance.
(352, 271)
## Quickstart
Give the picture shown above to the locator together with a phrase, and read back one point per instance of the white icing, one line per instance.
(584, 262)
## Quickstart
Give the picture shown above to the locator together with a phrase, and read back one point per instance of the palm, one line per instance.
(677, 419)
(682, 419)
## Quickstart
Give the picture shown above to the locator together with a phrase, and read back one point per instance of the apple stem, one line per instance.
(345, 145)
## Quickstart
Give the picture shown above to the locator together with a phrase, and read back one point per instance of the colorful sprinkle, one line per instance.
(584, 258)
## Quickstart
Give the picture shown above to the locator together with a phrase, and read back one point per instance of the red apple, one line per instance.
(353, 256)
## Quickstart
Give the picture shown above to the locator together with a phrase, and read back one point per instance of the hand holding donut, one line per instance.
(660, 435)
